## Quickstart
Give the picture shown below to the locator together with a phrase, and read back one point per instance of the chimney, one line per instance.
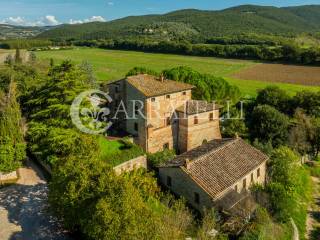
(162, 78)
(187, 163)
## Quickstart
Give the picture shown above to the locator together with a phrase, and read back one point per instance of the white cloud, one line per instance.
(50, 20)
(110, 3)
(13, 21)
(87, 20)
(96, 19)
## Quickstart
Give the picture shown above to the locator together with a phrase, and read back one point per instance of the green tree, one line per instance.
(12, 144)
(18, 58)
(269, 125)
(283, 172)
(275, 97)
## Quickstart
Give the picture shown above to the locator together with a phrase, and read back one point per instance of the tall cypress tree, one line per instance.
(12, 145)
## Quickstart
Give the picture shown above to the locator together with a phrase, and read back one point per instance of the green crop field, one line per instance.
(112, 64)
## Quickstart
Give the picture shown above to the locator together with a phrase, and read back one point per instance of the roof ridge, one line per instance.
(227, 143)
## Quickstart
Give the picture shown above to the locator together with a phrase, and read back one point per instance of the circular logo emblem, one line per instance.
(89, 112)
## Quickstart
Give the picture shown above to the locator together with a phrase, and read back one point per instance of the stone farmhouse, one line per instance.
(210, 171)
(160, 114)
(217, 174)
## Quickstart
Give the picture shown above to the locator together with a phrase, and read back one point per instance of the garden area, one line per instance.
(116, 152)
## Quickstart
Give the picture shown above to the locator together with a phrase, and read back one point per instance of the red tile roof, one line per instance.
(151, 86)
(219, 164)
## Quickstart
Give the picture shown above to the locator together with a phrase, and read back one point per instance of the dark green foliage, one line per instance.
(51, 134)
(289, 188)
(141, 70)
(208, 87)
(159, 158)
(250, 32)
(12, 145)
(266, 148)
(269, 125)
(24, 44)
(17, 57)
(91, 198)
(9, 60)
(308, 101)
(196, 24)
(315, 137)
(275, 97)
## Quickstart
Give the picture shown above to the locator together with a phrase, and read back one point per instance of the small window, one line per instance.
(196, 120)
(236, 188)
(168, 121)
(245, 183)
(184, 93)
(168, 96)
(196, 198)
(169, 181)
(252, 180)
(136, 126)
(165, 146)
(258, 172)
(153, 99)
(117, 89)
(211, 116)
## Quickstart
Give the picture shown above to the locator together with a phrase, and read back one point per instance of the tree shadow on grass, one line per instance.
(27, 209)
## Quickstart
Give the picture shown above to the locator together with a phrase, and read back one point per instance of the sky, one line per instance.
(53, 12)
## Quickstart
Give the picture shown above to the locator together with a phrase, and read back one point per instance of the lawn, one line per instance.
(116, 152)
(112, 64)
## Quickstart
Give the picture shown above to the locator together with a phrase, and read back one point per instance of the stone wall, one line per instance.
(136, 163)
(193, 135)
(183, 185)
(8, 177)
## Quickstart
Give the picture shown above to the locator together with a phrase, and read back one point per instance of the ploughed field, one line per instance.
(283, 73)
(114, 64)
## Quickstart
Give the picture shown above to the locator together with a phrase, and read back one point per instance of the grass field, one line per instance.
(112, 64)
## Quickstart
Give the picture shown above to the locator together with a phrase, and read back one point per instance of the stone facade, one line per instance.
(179, 181)
(196, 129)
(155, 122)
(139, 162)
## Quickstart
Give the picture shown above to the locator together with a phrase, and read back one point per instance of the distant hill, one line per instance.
(197, 24)
(14, 32)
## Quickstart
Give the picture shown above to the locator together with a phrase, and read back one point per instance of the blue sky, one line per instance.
(51, 12)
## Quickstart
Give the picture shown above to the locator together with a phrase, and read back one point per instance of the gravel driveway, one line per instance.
(23, 209)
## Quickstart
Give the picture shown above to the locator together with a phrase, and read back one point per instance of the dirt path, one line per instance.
(295, 230)
(23, 209)
(313, 218)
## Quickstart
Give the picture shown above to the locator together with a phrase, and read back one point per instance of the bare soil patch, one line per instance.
(302, 75)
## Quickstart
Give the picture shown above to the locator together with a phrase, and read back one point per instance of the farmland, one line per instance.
(112, 64)
(304, 75)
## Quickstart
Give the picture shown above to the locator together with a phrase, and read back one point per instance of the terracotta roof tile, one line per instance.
(151, 86)
(219, 164)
